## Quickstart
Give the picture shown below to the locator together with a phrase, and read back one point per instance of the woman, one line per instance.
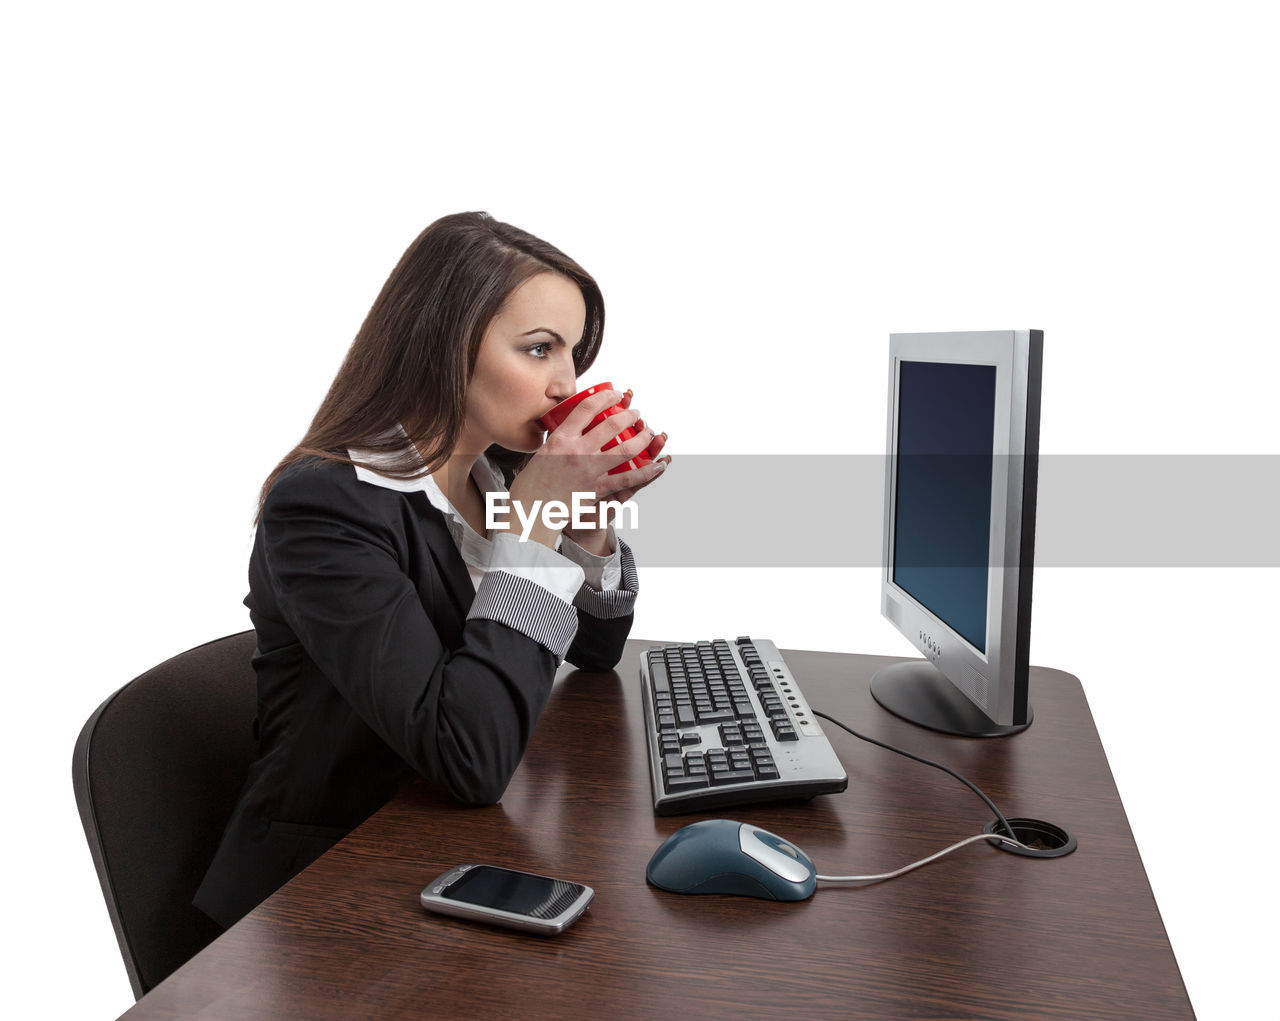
(395, 634)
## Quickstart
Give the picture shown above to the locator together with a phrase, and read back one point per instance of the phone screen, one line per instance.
(519, 892)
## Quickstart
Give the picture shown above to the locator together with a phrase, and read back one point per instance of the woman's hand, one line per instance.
(594, 538)
(571, 462)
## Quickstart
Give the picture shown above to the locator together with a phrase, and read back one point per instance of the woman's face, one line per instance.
(525, 364)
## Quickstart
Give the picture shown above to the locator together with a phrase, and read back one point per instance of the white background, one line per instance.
(200, 203)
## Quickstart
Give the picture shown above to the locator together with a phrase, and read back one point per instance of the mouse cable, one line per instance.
(915, 864)
(936, 765)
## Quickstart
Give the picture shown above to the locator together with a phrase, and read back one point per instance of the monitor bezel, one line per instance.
(995, 680)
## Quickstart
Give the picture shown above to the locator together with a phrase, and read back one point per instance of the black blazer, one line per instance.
(369, 671)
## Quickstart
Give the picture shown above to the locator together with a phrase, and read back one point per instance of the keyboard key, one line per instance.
(731, 734)
(728, 776)
(676, 784)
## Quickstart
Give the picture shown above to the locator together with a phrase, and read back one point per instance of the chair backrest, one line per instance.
(157, 770)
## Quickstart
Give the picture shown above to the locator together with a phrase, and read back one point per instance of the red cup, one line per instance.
(554, 418)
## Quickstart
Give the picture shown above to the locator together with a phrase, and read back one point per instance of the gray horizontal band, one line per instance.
(1105, 510)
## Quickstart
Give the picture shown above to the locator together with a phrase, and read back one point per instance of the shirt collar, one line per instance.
(486, 474)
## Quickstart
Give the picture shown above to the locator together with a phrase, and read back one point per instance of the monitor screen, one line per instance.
(942, 512)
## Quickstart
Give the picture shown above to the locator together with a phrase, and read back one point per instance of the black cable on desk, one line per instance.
(928, 762)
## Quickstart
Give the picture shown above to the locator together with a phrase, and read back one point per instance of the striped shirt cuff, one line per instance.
(613, 602)
(527, 607)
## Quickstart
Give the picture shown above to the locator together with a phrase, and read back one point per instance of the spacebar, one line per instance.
(658, 677)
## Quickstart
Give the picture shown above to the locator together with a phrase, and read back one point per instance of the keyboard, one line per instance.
(728, 725)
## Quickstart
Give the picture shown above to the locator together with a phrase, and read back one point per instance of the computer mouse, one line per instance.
(723, 856)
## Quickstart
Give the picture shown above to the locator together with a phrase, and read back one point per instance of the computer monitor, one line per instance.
(959, 527)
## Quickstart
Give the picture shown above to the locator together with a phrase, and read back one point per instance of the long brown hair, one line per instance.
(413, 357)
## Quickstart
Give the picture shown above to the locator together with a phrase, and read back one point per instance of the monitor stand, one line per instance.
(920, 694)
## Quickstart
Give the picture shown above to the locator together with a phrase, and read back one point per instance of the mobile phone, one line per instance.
(518, 900)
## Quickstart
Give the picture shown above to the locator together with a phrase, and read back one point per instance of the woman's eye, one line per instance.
(540, 350)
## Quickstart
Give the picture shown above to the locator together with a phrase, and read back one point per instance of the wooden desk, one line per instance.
(980, 934)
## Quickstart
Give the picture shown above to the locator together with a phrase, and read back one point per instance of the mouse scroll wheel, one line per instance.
(765, 848)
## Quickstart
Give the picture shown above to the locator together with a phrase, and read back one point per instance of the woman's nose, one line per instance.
(562, 391)
(564, 385)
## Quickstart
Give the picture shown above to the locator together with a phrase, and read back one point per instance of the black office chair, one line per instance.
(157, 770)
